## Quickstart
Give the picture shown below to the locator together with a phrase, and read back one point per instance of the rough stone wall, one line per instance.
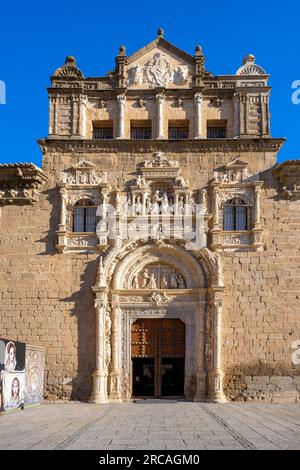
(46, 298)
(261, 314)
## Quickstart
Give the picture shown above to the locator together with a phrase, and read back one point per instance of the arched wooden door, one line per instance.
(158, 352)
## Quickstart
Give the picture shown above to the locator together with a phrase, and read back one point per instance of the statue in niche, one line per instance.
(135, 283)
(180, 282)
(155, 202)
(192, 205)
(152, 282)
(140, 182)
(145, 278)
(128, 206)
(173, 280)
(164, 283)
(138, 206)
(181, 205)
(204, 200)
(165, 204)
(171, 205)
(148, 206)
(83, 178)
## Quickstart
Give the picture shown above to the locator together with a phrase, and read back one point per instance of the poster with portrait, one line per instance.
(13, 384)
(12, 374)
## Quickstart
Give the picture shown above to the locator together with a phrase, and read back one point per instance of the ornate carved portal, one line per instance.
(151, 283)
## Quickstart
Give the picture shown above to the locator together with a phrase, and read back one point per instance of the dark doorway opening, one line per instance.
(158, 356)
(143, 376)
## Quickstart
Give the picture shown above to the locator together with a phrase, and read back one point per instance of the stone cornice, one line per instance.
(20, 182)
(143, 146)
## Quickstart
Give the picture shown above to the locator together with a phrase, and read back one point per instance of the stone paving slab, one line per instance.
(150, 425)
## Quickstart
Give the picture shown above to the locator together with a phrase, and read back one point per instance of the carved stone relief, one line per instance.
(158, 72)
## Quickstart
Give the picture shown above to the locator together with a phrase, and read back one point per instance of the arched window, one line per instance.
(237, 215)
(84, 216)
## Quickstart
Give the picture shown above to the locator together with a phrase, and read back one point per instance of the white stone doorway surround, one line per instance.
(119, 302)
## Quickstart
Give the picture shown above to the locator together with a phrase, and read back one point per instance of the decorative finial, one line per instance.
(198, 50)
(160, 33)
(122, 50)
(249, 59)
(70, 61)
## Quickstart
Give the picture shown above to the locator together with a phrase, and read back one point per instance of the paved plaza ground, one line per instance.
(152, 424)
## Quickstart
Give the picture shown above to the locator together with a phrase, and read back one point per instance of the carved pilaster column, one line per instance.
(53, 104)
(115, 374)
(216, 208)
(236, 115)
(200, 360)
(75, 114)
(99, 394)
(160, 116)
(244, 114)
(198, 116)
(216, 393)
(121, 116)
(264, 106)
(63, 211)
(82, 116)
(257, 206)
(144, 203)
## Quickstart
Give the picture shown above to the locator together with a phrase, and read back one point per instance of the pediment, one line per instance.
(159, 64)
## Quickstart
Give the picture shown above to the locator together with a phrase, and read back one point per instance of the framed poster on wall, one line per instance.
(12, 374)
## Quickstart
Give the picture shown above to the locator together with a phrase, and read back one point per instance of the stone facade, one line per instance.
(204, 145)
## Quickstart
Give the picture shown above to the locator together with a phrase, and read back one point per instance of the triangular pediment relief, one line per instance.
(160, 64)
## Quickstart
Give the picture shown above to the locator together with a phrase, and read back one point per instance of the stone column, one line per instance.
(99, 394)
(121, 116)
(198, 116)
(144, 202)
(160, 116)
(215, 208)
(216, 393)
(257, 206)
(63, 212)
(115, 374)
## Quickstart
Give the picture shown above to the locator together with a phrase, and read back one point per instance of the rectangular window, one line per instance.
(140, 129)
(178, 130)
(103, 130)
(229, 218)
(90, 219)
(216, 129)
(78, 225)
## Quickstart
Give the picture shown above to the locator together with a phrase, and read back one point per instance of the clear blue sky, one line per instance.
(36, 37)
